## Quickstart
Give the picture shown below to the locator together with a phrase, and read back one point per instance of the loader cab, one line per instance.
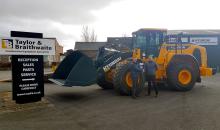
(149, 40)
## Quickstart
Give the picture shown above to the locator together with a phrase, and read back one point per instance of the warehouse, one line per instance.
(91, 48)
(210, 39)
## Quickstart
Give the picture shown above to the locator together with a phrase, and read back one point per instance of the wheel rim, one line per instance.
(184, 77)
(128, 79)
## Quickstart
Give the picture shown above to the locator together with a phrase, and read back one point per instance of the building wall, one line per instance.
(120, 42)
(48, 60)
(210, 41)
(89, 48)
(90, 53)
(59, 51)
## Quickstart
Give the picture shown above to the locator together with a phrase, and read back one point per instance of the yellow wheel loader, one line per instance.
(180, 65)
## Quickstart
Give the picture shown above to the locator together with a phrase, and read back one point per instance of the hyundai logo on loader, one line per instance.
(108, 67)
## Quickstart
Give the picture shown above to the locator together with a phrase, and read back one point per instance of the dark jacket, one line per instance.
(135, 70)
(150, 68)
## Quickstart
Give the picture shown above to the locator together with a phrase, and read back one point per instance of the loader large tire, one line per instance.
(122, 79)
(181, 76)
(102, 82)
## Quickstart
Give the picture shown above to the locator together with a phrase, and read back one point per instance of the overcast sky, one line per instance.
(64, 19)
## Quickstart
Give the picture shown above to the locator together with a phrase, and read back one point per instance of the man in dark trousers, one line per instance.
(135, 71)
(150, 70)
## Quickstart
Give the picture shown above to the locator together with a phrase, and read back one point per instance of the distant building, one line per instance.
(120, 42)
(49, 59)
(89, 48)
(68, 52)
(210, 39)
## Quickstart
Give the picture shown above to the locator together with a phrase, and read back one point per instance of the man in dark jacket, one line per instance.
(135, 71)
(150, 70)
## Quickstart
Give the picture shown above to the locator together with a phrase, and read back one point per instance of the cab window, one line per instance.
(140, 42)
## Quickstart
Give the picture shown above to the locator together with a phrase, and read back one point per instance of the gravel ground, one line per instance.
(92, 108)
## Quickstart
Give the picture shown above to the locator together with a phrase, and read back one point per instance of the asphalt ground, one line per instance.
(91, 108)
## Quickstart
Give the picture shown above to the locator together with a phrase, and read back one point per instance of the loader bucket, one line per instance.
(76, 69)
